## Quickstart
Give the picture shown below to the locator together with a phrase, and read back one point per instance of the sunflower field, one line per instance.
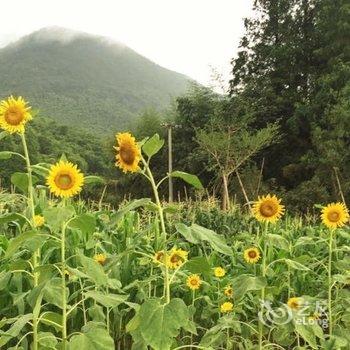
(155, 275)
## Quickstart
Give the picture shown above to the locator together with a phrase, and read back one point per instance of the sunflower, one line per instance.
(100, 258)
(268, 209)
(335, 215)
(294, 303)
(129, 154)
(65, 179)
(14, 114)
(226, 307)
(158, 257)
(38, 221)
(251, 255)
(176, 258)
(219, 272)
(228, 291)
(194, 282)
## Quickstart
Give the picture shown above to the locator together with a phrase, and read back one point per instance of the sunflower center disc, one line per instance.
(13, 116)
(267, 209)
(174, 259)
(64, 181)
(333, 216)
(193, 282)
(127, 155)
(252, 254)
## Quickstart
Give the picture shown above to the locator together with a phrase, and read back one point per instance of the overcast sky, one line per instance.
(187, 36)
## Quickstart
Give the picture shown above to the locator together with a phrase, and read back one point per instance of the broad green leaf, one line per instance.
(137, 203)
(4, 279)
(52, 292)
(47, 340)
(152, 145)
(199, 264)
(94, 270)
(85, 222)
(13, 217)
(159, 324)
(94, 337)
(53, 319)
(3, 134)
(20, 180)
(16, 242)
(244, 283)
(307, 333)
(189, 178)
(56, 217)
(196, 234)
(295, 265)
(5, 155)
(92, 179)
(15, 329)
(108, 300)
(277, 241)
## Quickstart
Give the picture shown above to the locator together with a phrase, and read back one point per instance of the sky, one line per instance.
(188, 36)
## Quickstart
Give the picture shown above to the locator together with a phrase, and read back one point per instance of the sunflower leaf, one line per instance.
(152, 145)
(189, 178)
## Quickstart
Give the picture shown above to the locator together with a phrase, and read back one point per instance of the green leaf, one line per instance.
(20, 180)
(199, 264)
(245, 283)
(13, 217)
(92, 179)
(196, 234)
(189, 178)
(158, 323)
(296, 265)
(3, 134)
(277, 241)
(85, 222)
(47, 340)
(55, 217)
(15, 329)
(16, 242)
(307, 333)
(152, 145)
(94, 337)
(52, 319)
(94, 270)
(4, 279)
(108, 300)
(5, 155)
(52, 292)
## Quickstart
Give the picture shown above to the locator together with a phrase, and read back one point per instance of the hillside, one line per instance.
(84, 80)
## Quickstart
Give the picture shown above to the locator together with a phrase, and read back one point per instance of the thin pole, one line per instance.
(170, 163)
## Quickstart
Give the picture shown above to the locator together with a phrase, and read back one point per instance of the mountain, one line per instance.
(84, 80)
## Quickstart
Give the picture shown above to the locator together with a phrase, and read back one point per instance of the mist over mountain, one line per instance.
(85, 80)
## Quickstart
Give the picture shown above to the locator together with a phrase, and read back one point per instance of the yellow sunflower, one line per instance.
(226, 307)
(219, 272)
(294, 303)
(194, 282)
(38, 221)
(65, 179)
(158, 257)
(228, 291)
(176, 258)
(129, 153)
(335, 215)
(100, 258)
(268, 209)
(251, 255)
(14, 114)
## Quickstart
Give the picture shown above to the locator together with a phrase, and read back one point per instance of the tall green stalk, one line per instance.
(162, 224)
(64, 292)
(330, 254)
(263, 274)
(36, 254)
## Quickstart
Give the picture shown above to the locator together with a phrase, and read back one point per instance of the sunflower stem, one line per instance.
(64, 296)
(162, 224)
(263, 274)
(36, 254)
(330, 248)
